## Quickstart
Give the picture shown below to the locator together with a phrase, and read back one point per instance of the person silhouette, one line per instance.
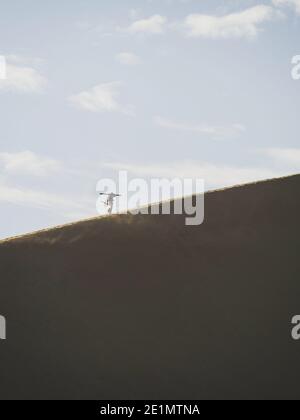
(110, 201)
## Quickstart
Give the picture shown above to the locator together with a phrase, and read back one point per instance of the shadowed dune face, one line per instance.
(144, 307)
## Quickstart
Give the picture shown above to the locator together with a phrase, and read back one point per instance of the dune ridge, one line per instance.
(144, 307)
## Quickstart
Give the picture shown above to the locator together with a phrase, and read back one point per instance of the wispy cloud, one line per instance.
(291, 3)
(152, 25)
(201, 129)
(102, 98)
(128, 59)
(244, 24)
(214, 175)
(25, 60)
(28, 163)
(22, 79)
(38, 199)
(285, 155)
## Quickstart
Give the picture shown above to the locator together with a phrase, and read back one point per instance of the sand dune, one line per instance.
(144, 307)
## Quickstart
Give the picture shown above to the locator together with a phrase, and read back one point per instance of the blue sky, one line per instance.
(189, 88)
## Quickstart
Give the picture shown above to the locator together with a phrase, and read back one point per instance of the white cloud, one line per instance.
(22, 79)
(285, 155)
(28, 197)
(27, 163)
(19, 59)
(204, 129)
(128, 59)
(245, 24)
(153, 25)
(41, 200)
(292, 3)
(214, 175)
(102, 98)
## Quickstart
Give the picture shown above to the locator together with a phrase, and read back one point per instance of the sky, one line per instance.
(158, 88)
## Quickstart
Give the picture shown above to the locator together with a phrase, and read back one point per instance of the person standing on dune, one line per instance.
(110, 201)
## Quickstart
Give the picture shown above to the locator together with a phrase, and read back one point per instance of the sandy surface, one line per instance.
(144, 307)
